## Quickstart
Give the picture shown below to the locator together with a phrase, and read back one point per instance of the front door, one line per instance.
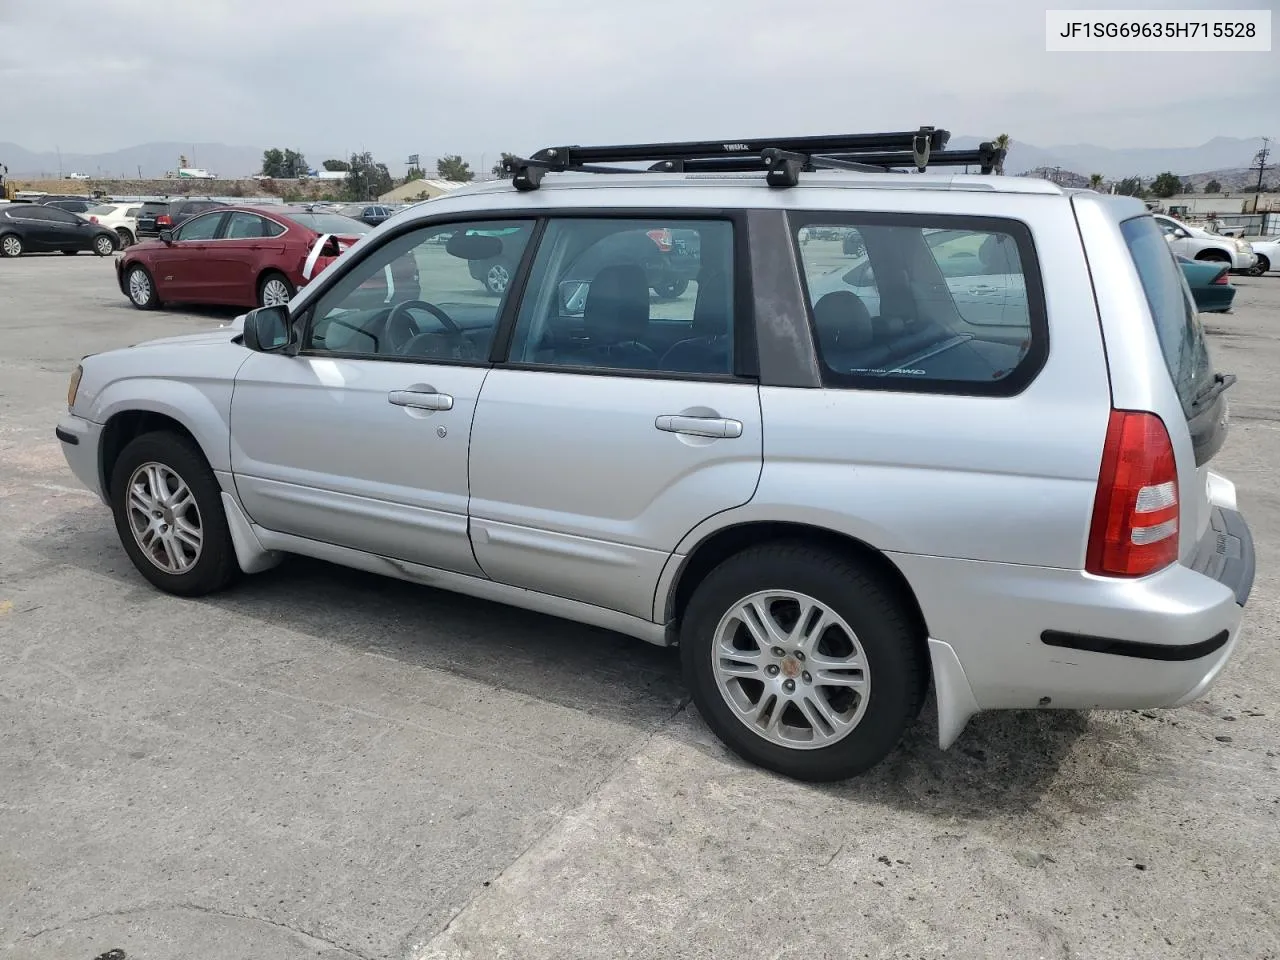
(182, 266)
(361, 439)
(617, 424)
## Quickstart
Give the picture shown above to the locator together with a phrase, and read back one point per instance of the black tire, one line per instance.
(893, 652)
(670, 289)
(1213, 256)
(69, 253)
(216, 566)
(151, 300)
(104, 245)
(10, 245)
(126, 238)
(273, 277)
(1262, 266)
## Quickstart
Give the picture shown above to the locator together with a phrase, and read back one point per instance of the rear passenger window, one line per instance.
(925, 303)
(639, 295)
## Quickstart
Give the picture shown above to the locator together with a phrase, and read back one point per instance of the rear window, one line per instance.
(330, 223)
(155, 206)
(1173, 311)
(923, 303)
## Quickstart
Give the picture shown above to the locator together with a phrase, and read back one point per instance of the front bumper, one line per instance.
(1241, 260)
(1048, 637)
(80, 440)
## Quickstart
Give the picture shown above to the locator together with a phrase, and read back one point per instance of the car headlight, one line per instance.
(1243, 247)
(74, 386)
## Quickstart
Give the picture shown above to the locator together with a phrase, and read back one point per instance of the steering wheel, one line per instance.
(401, 328)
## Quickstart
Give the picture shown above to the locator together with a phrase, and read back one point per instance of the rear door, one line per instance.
(617, 422)
(247, 241)
(65, 231)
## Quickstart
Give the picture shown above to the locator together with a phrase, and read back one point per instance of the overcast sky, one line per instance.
(402, 76)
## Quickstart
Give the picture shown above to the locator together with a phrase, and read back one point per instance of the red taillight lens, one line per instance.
(93, 219)
(164, 220)
(662, 238)
(1135, 512)
(1221, 280)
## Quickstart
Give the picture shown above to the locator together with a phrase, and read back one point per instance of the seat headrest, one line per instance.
(843, 321)
(711, 310)
(617, 307)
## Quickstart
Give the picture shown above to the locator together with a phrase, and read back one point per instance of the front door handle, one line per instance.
(419, 400)
(717, 427)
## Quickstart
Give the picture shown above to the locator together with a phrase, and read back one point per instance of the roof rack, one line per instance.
(782, 160)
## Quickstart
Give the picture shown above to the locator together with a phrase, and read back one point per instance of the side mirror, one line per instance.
(573, 297)
(166, 236)
(268, 329)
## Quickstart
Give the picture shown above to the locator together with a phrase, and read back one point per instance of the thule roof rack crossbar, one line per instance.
(782, 160)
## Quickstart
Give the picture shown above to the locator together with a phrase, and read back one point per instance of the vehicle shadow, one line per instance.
(1004, 762)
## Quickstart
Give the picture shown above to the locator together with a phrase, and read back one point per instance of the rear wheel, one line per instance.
(274, 290)
(126, 238)
(168, 513)
(104, 245)
(802, 661)
(10, 245)
(141, 288)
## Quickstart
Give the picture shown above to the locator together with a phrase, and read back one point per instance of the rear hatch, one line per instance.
(147, 217)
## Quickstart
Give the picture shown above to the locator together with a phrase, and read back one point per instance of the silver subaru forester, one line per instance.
(835, 430)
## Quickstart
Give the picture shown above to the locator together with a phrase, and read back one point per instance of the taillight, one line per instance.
(93, 219)
(662, 238)
(164, 220)
(1135, 512)
(1221, 280)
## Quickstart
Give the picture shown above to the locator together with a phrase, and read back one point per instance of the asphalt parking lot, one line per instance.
(322, 763)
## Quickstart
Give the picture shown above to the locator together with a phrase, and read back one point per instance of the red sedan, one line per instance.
(244, 257)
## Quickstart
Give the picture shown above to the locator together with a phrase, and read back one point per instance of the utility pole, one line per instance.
(1261, 161)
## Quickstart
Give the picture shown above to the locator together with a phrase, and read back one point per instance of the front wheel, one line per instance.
(802, 661)
(141, 288)
(275, 290)
(1262, 266)
(168, 512)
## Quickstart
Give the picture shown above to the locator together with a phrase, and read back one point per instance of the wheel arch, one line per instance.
(718, 545)
(125, 426)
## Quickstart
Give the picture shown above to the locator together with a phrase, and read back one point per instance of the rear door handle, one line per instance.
(420, 401)
(717, 427)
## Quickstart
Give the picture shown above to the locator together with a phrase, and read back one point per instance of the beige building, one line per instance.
(419, 190)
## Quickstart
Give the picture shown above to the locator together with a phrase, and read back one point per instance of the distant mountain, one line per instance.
(1220, 153)
(154, 160)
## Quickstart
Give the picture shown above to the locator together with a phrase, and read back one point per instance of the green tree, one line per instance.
(1166, 185)
(366, 178)
(1130, 187)
(336, 166)
(273, 163)
(1095, 181)
(415, 173)
(454, 168)
(499, 169)
(1002, 142)
(295, 164)
(283, 164)
(1213, 186)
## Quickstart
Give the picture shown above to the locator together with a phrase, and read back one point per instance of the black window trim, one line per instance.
(1021, 377)
(746, 367)
(305, 321)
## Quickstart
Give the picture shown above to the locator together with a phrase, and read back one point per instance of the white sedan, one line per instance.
(1268, 253)
(120, 217)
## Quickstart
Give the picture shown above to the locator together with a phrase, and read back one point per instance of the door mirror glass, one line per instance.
(268, 329)
(573, 297)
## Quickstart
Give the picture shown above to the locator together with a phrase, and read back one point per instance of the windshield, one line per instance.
(330, 223)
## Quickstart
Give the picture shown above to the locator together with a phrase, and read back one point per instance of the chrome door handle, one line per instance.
(420, 401)
(717, 427)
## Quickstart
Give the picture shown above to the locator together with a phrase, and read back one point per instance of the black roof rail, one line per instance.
(782, 159)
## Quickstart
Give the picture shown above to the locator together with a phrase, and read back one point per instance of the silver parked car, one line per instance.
(967, 451)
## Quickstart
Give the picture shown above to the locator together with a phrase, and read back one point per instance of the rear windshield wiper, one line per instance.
(1219, 385)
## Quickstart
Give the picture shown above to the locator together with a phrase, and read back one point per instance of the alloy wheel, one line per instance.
(139, 287)
(164, 518)
(275, 293)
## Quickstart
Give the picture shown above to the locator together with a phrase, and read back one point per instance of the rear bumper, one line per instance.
(1048, 637)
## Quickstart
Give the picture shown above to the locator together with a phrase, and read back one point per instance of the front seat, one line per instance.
(616, 318)
(708, 350)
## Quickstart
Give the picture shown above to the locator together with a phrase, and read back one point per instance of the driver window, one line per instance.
(200, 228)
(422, 295)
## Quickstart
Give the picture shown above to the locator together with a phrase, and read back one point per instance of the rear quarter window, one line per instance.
(1178, 328)
(932, 304)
